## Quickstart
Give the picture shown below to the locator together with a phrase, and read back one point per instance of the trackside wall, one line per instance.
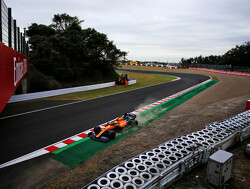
(13, 68)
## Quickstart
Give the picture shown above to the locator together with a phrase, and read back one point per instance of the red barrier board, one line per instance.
(222, 72)
(13, 68)
(248, 105)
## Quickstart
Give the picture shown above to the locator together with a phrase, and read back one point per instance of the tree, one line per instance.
(68, 53)
(62, 21)
(238, 56)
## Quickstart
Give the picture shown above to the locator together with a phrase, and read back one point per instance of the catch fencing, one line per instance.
(10, 33)
(164, 164)
(245, 69)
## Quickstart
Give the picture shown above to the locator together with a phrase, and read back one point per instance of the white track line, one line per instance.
(24, 158)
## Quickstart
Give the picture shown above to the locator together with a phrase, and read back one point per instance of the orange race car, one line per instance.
(110, 129)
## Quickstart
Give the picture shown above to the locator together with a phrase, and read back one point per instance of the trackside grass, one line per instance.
(143, 80)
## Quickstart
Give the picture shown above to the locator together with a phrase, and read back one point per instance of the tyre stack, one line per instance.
(230, 125)
(138, 170)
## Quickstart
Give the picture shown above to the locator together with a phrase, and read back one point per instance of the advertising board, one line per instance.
(13, 68)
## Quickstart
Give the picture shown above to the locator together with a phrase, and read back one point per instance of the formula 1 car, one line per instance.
(109, 131)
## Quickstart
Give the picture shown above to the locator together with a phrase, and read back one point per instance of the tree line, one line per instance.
(238, 56)
(69, 54)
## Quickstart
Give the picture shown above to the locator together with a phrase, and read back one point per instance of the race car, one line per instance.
(109, 131)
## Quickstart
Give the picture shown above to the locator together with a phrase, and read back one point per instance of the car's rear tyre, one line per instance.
(90, 134)
(119, 128)
(112, 135)
(134, 122)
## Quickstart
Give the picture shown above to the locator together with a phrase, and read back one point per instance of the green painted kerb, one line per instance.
(81, 150)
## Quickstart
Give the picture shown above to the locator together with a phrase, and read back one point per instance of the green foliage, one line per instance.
(69, 53)
(238, 56)
(63, 21)
(37, 81)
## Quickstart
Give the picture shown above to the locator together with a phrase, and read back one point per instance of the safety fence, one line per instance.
(164, 164)
(44, 94)
(233, 68)
(220, 71)
(10, 33)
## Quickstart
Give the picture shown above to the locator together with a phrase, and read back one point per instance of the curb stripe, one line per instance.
(69, 141)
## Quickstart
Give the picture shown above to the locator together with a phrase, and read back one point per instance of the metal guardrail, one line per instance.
(164, 164)
(151, 65)
(44, 94)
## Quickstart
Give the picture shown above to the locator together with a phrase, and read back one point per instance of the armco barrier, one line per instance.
(13, 68)
(220, 71)
(152, 65)
(164, 164)
(37, 95)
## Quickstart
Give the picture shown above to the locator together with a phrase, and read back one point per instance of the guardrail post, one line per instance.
(9, 28)
(160, 182)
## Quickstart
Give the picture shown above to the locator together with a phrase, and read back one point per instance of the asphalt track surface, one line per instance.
(26, 133)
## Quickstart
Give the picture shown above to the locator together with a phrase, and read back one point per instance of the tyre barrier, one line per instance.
(137, 160)
(93, 186)
(168, 161)
(157, 150)
(130, 165)
(141, 168)
(145, 175)
(161, 156)
(155, 159)
(121, 170)
(163, 148)
(129, 186)
(161, 166)
(125, 178)
(137, 181)
(143, 157)
(148, 163)
(133, 173)
(103, 182)
(116, 184)
(153, 171)
(113, 176)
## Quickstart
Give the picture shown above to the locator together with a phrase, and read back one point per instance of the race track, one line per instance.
(26, 133)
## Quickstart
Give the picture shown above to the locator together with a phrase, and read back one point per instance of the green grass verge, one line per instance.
(86, 148)
(143, 80)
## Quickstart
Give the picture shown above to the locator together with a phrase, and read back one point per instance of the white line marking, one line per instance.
(25, 157)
